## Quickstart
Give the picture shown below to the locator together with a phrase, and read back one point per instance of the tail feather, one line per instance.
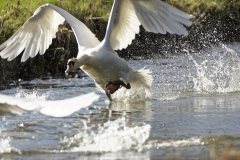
(142, 76)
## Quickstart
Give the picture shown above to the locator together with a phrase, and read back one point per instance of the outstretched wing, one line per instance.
(58, 108)
(155, 16)
(37, 32)
(159, 17)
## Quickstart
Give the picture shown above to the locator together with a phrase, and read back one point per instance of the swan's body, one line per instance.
(109, 66)
(117, 68)
(99, 60)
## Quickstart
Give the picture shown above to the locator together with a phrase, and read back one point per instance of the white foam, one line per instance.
(5, 146)
(115, 136)
(135, 94)
(112, 136)
(194, 141)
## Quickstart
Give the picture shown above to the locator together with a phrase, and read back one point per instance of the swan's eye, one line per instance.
(71, 63)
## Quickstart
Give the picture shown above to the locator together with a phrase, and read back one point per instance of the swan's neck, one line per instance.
(81, 60)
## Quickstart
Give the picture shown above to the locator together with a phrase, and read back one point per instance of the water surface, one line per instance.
(194, 109)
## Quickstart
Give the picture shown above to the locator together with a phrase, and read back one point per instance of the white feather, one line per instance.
(156, 15)
(58, 108)
(125, 26)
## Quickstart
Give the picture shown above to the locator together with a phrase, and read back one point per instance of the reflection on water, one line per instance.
(194, 107)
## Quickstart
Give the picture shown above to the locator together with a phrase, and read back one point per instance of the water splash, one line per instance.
(219, 72)
(115, 136)
(34, 94)
(172, 77)
(112, 136)
(135, 94)
(5, 146)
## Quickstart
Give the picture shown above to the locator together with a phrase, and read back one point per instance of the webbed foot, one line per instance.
(115, 85)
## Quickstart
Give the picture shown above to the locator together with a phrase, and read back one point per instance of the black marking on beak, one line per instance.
(70, 66)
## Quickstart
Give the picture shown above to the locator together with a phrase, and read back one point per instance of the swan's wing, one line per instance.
(37, 32)
(122, 26)
(63, 108)
(159, 17)
(58, 108)
(155, 16)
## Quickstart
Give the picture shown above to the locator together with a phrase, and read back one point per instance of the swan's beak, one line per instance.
(70, 67)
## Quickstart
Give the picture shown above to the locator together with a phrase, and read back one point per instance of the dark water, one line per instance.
(194, 113)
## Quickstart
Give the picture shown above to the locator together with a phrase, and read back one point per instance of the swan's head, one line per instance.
(71, 65)
(74, 63)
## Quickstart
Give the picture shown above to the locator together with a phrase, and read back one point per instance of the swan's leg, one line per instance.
(108, 95)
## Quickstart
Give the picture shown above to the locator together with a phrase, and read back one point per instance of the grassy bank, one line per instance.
(13, 14)
(198, 6)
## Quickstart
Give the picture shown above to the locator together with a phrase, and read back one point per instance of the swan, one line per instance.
(99, 59)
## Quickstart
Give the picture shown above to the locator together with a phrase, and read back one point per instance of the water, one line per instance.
(194, 113)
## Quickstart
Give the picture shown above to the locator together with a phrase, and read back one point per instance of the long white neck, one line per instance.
(81, 60)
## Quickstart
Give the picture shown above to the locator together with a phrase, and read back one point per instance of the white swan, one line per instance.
(99, 60)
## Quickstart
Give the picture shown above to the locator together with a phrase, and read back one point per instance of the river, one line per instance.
(193, 113)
